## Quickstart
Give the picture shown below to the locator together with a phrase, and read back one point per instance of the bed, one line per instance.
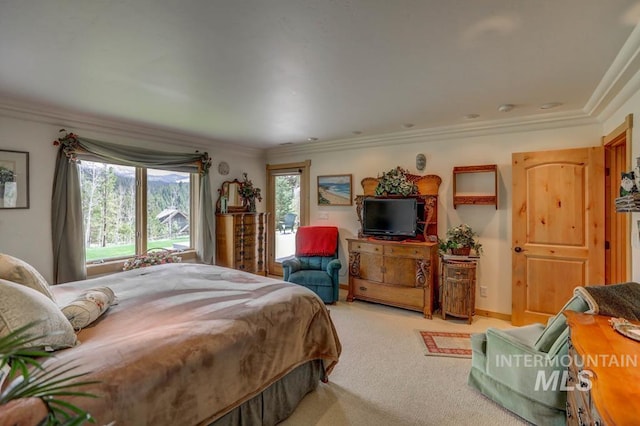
(194, 344)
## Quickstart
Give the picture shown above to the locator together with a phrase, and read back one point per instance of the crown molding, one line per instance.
(467, 130)
(619, 83)
(77, 122)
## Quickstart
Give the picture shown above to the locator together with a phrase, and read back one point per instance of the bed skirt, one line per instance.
(278, 401)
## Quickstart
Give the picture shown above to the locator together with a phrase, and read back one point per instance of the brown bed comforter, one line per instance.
(187, 343)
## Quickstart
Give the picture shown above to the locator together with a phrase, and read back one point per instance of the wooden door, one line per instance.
(558, 229)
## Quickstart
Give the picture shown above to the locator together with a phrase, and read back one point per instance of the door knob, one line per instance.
(518, 249)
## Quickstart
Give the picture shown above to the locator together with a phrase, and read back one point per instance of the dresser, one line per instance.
(458, 286)
(393, 273)
(603, 386)
(241, 241)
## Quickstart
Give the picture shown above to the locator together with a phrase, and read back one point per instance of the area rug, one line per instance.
(442, 343)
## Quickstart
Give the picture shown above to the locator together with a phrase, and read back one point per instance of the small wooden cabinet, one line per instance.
(458, 286)
(241, 241)
(603, 381)
(393, 273)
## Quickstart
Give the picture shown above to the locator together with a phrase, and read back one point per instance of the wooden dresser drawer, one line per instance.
(459, 273)
(392, 295)
(412, 252)
(365, 247)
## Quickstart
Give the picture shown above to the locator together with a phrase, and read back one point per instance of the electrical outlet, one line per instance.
(483, 291)
(323, 215)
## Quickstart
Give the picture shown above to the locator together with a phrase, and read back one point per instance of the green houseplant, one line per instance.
(21, 368)
(460, 240)
(396, 182)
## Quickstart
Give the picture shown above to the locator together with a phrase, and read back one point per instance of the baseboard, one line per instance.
(481, 312)
(491, 314)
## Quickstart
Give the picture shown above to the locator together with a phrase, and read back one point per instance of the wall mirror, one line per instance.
(229, 199)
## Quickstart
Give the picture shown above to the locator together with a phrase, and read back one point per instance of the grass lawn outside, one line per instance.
(98, 253)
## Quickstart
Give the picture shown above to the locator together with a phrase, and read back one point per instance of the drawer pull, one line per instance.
(363, 288)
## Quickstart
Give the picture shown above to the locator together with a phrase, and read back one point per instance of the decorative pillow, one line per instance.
(88, 307)
(20, 272)
(21, 305)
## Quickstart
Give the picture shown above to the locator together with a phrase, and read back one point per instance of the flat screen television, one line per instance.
(390, 217)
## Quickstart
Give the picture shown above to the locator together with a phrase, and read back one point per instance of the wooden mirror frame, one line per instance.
(236, 205)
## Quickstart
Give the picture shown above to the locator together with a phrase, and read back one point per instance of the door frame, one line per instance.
(272, 170)
(618, 226)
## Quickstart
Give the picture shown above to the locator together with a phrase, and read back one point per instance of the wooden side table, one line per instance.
(458, 283)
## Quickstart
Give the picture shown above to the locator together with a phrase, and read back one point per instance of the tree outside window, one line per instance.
(110, 219)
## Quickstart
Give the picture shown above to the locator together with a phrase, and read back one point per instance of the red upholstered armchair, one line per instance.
(316, 262)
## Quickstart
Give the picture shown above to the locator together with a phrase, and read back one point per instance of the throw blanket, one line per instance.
(316, 240)
(617, 300)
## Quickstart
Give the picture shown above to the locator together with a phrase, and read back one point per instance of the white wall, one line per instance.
(493, 226)
(26, 233)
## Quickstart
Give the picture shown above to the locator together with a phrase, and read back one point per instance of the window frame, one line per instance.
(115, 264)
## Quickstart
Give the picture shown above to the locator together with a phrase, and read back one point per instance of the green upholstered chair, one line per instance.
(316, 262)
(523, 369)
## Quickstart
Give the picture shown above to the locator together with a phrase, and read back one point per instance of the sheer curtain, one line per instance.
(66, 206)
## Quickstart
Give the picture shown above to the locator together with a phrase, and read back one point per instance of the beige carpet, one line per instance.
(384, 378)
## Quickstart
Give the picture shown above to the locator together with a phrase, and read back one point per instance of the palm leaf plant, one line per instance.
(27, 378)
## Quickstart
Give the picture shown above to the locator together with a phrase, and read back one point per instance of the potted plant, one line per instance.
(6, 175)
(249, 193)
(460, 241)
(396, 182)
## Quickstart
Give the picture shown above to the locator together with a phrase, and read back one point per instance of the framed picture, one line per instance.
(334, 190)
(14, 179)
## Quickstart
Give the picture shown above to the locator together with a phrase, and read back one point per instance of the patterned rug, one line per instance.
(442, 343)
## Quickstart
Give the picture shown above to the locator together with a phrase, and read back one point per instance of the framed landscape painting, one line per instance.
(14, 179)
(334, 190)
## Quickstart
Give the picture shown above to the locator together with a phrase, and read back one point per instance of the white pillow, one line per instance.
(88, 307)
(20, 272)
(21, 305)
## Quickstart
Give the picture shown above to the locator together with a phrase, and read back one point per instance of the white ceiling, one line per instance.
(266, 72)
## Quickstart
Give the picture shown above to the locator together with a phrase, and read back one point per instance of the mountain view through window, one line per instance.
(109, 212)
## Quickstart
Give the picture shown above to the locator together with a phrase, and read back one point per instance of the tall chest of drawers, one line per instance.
(241, 241)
